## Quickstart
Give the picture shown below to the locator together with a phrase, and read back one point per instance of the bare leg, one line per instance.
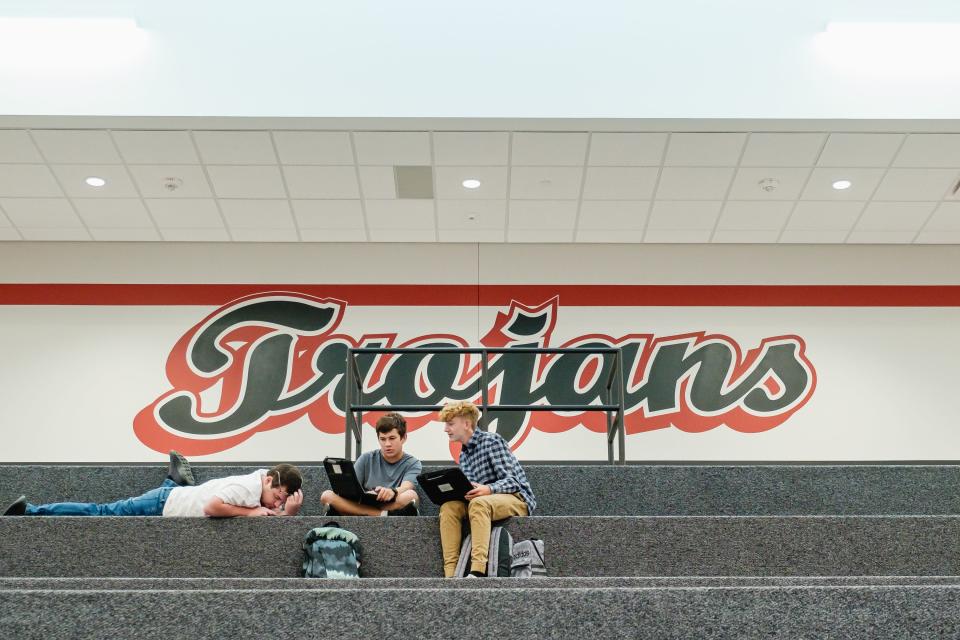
(348, 508)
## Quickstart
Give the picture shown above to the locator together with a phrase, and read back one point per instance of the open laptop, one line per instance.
(344, 482)
(444, 485)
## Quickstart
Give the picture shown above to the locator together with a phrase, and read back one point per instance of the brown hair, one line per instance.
(462, 408)
(390, 421)
(287, 476)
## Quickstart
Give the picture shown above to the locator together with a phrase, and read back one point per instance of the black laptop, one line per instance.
(444, 485)
(344, 482)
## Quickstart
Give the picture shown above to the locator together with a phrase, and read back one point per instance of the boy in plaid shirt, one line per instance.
(500, 488)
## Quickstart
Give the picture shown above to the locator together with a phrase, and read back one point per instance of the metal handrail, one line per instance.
(615, 411)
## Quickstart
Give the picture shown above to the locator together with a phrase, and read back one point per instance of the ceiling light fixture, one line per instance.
(471, 183)
(840, 185)
(94, 181)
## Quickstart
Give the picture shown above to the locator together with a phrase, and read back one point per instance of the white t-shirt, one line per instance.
(240, 491)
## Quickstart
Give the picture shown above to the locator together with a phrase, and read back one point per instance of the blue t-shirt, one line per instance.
(373, 471)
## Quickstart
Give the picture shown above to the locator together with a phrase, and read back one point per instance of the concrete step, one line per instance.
(410, 547)
(404, 584)
(590, 490)
(850, 613)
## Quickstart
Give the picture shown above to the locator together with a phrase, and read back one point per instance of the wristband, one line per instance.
(395, 494)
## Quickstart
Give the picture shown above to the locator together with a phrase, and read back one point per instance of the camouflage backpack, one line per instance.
(331, 552)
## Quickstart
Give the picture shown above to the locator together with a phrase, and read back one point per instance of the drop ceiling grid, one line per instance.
(262, 150)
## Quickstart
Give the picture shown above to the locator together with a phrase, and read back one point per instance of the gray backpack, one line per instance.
(499, 558)
(527, 561)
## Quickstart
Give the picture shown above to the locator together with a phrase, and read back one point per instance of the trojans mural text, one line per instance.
(266, 360)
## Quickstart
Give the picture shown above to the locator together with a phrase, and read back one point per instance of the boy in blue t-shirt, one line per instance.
(388, 471)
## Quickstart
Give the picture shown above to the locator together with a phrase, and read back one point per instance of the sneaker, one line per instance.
(180, 471)
(17, 508)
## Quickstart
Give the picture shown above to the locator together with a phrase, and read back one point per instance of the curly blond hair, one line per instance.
(461, 408)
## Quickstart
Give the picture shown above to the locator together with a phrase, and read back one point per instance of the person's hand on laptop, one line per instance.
(477, 491)
(385, 494)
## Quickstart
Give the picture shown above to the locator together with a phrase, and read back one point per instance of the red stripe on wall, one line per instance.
(494, 294)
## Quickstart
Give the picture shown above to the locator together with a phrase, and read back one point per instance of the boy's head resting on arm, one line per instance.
(461, 419)
(279, 482)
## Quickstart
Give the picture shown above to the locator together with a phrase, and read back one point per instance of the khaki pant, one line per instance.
(481, 511)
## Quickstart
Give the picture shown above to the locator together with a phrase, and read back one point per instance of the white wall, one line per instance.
(75, 376)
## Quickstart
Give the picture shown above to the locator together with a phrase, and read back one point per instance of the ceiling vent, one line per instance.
(414, 182)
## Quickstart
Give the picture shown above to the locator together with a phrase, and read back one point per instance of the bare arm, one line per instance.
(217, 508)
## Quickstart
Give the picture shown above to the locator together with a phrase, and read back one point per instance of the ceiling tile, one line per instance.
(679, 215)
(609, 236)
(185, 213)
(694, 184)
(235, 147)
(813, 236)
(378, 182)
(392, 148)
(472, 214)
(400, 214)
(195, 235)
(156, 147)
(73, 176)
(314, 147)
(747, 183)
(333, 235)
(677, 236)
(328, 214)
(449, 183)
(745, 236)
(945, 218)
(471, 148)
(256, 214)
(403, 235)
(548, 149)
(40, 213)
(754, 215)
(895, 216)
(27, 181)
(938, 237)
(620, 183)
(825, 215)
(151, 180)
(264, 235)
(916, 184)
(10, 234)
(539, 235)
(17, 147)
(859, 149)
(335, 183)
(113, 213)
(248, 181)
(545, 183)
(627, 149)
(43, 234)
(614, 215)
(820, 185)
(782, 149)
(82, 147)
(474, 235)
(881, 237)
(125, 235)
(930, 150)
(543, 214)
(704, 149)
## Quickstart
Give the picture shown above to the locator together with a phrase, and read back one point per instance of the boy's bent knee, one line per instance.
(327, 497)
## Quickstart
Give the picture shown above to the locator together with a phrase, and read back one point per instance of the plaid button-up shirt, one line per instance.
(486, 459)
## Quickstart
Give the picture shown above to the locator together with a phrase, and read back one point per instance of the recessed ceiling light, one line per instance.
(471, 183)
(840, 185)
(94, 181)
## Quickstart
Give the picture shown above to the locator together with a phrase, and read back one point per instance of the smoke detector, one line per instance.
(768, 185)
(171, 184)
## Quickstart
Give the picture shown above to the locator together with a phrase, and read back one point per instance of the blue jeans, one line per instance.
(149, 504)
